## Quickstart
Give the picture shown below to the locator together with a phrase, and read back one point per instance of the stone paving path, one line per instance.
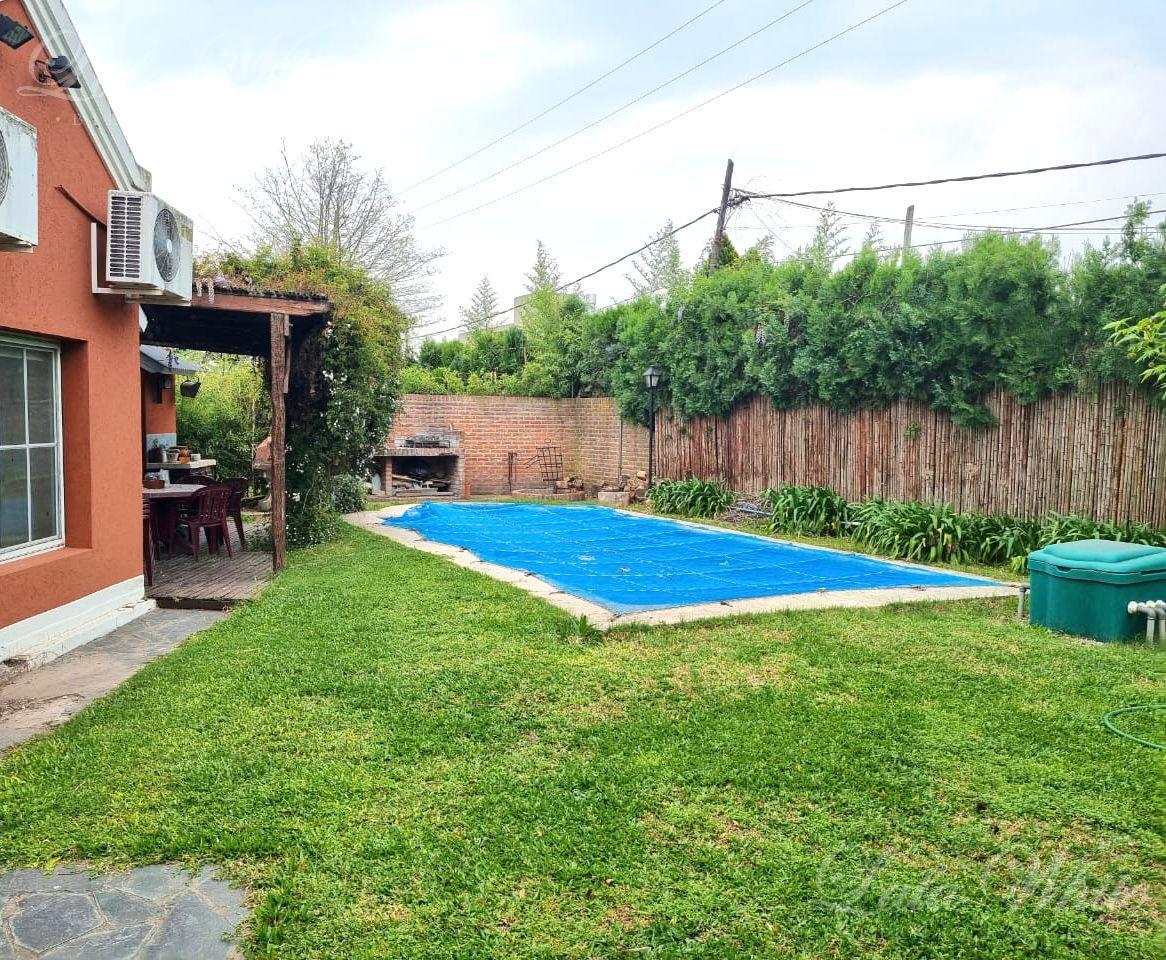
(152, 913)
(35, 702)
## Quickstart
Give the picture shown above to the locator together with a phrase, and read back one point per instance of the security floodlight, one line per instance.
(652, 377)
(13, 34)
(60, 71)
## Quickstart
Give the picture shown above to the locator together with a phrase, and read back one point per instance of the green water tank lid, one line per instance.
(1110, 556)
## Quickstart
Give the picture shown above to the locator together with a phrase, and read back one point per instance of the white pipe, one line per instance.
(1023, 591)
(1155, 613)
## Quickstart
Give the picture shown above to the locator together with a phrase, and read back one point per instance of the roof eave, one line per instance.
(56, 32)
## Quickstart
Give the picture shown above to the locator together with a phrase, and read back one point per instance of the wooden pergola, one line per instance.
(249, 323)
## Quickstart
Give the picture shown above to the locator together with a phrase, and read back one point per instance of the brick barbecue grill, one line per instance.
(423, 466)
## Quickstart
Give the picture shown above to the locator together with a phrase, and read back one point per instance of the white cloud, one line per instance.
(417, 89)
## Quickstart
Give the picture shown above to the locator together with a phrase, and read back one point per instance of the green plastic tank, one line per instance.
(1085, 587)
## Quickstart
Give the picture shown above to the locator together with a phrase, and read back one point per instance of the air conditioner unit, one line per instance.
(18, 183)
(149, 248)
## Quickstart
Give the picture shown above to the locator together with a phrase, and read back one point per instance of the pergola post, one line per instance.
(280, 329)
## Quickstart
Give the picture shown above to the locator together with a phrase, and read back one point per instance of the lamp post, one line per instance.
(652, 378)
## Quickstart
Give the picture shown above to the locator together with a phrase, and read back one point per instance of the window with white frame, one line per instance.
(31, 486)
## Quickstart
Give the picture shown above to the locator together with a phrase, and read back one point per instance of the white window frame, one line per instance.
(57, 541)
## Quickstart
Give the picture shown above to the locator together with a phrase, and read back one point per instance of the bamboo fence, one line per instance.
(1101, 455)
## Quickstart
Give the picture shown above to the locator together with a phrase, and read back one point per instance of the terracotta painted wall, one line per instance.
(47, 293)
(158, 416)
(587, 432)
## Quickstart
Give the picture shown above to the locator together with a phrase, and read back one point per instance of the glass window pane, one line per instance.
(11, 395)
(43, 488)
(42, 417)
(13, 498)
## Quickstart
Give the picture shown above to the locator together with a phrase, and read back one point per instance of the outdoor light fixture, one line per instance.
(13, 34)
(60, 71)
(652, 378)
(190, 388)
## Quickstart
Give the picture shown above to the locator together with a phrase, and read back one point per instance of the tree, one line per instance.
(482, 308)
(325, 199)
(829, 243)
(1145, 342)
(659, 268)
(545, 274)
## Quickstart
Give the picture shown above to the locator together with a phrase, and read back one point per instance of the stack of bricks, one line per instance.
(586, 431)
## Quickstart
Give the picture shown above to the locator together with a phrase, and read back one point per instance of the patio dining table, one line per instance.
(164, 501)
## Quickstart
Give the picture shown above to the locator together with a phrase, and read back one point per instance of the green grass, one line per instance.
(405, 759)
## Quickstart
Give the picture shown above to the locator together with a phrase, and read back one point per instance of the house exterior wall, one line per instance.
(158, 415)
(46, 294)
(587, 431)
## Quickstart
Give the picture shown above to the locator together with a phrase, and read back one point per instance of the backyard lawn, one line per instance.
(406, 759)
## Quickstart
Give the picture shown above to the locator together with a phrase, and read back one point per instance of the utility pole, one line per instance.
(719, 236)
(908, 226)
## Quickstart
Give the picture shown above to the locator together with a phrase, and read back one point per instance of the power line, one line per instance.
(1034, 230)
(1045, 206)
(587, 276)
(618, 110)
(684, 113)
(567, 99)
(965, 227)
(746, 195)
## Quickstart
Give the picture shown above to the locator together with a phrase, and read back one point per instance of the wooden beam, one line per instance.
(239, 303)
(280, 327)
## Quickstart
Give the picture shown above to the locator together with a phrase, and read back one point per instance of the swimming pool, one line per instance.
(629, 563)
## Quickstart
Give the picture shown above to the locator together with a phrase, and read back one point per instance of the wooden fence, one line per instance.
(1103, 455)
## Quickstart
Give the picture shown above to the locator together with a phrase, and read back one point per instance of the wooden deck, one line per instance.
(212, 582)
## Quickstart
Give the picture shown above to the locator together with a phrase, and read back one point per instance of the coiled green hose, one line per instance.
(1113, 728)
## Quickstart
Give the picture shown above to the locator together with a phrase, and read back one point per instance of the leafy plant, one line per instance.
(690, 498)
(348, 494)
(808, 510)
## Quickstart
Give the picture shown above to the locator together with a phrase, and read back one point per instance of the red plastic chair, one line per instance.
(209, 514)
(238, 487)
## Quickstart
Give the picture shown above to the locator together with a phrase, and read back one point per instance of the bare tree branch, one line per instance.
(324, 198)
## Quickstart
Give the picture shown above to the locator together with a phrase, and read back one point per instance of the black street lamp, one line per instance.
(652, 377)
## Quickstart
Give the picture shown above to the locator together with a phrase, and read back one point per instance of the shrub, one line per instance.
(690, 498)
(808, 510)
(348, 495)
(937, 532)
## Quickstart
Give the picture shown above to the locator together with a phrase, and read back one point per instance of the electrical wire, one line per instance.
(745, 195)
(587, 276)
(684, 113)
(567, 99)
(965, 227)
(618, 110)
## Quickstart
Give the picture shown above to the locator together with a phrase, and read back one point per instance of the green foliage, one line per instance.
(344, 383)
(808, 511)
(1002, 312)
(937, 533)
(1145, 343)
(231, 414)
(690, 498)
(348, 494)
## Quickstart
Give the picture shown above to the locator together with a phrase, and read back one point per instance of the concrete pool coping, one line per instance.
(605, 619)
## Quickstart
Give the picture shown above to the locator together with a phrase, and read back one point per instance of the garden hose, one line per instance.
(1112, 728)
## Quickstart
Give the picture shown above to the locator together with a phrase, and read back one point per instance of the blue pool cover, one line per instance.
(628, 563)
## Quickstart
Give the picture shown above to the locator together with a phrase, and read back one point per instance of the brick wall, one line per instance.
(489, 428)
(608, 446)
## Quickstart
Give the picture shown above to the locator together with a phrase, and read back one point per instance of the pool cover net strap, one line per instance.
(628, 563)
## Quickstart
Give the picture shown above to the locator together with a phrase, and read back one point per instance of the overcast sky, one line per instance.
(206, 92)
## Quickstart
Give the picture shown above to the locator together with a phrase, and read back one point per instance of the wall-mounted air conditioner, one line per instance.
(18, 183)
(149, 247)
